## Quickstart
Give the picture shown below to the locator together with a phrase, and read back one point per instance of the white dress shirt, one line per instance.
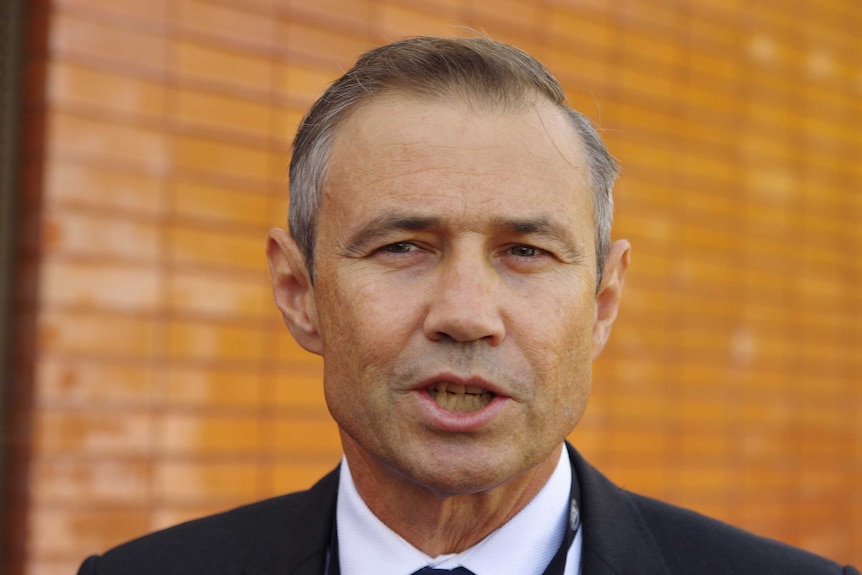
(523, 546)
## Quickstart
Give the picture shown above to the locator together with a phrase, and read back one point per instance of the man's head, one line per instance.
(451, 232)
(479, 70)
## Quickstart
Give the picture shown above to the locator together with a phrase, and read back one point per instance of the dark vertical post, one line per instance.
(23, 34)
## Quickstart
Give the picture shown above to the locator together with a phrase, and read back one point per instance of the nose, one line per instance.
(465, 305)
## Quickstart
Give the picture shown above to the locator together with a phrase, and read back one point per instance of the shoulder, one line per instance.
(693, 543)
(629, 533)
(290, 525)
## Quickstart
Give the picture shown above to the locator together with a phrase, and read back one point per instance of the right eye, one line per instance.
(399, 248)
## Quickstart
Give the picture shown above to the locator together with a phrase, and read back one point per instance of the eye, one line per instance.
(524, 258)
(399, 248)
(397, 255)
(524, 251)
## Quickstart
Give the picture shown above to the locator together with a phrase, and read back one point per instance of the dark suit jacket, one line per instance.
(624, 533)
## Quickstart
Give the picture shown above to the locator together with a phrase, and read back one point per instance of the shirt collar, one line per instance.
(525, 544)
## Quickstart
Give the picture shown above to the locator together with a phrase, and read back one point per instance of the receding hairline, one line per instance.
(474, 101)
(482, 71)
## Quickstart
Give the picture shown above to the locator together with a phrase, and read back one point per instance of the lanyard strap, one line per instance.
(557, 566)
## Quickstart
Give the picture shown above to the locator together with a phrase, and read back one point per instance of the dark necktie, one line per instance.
(456, 571)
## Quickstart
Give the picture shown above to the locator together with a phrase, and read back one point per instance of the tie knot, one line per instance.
(455, 571)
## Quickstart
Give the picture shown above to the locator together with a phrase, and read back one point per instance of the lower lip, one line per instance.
(460, 421)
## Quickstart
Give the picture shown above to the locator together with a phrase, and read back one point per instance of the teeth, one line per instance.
(459, 398)
(454, 388)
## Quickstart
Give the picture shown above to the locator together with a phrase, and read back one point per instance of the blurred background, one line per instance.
(148, 379)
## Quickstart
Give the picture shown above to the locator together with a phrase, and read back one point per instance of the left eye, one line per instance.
(524, 251)
(399, 248)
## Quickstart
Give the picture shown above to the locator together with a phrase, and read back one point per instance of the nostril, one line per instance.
(442, 325)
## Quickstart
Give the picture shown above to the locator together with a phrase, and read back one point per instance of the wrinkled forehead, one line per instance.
(408, 152)
(365, 122)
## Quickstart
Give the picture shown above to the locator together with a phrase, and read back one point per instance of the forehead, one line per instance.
(400, 150)
(398, 117)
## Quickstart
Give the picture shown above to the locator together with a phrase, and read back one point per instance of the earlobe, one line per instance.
(292, 288)
(610, 293)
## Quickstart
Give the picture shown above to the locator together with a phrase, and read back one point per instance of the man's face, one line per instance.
(454, 300)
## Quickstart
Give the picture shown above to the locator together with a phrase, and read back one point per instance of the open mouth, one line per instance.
(459, 398)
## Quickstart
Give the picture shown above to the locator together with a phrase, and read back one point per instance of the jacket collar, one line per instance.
(616, 538)
(299, 544)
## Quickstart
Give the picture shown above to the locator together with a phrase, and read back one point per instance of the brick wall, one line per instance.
(155, 381)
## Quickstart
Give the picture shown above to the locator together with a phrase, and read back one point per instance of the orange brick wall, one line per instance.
(159, 383)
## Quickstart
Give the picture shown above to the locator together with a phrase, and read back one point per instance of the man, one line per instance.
(449, 257)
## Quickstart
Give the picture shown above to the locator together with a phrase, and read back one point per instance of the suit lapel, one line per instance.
(616, 538)
(298, 545)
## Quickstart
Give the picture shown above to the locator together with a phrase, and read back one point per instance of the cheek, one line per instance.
(363, 327)
(563, 346)
(563, 324)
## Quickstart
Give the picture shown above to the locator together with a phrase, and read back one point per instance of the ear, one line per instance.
(291, 285)
(610, 293)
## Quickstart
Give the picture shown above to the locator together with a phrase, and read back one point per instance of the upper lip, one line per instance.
(473, 380)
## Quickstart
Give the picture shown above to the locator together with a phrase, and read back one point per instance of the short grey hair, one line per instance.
(486, 70)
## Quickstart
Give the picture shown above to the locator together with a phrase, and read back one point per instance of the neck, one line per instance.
(439, 523)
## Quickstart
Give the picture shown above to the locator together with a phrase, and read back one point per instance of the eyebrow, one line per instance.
(381, 226)
(545, 227)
